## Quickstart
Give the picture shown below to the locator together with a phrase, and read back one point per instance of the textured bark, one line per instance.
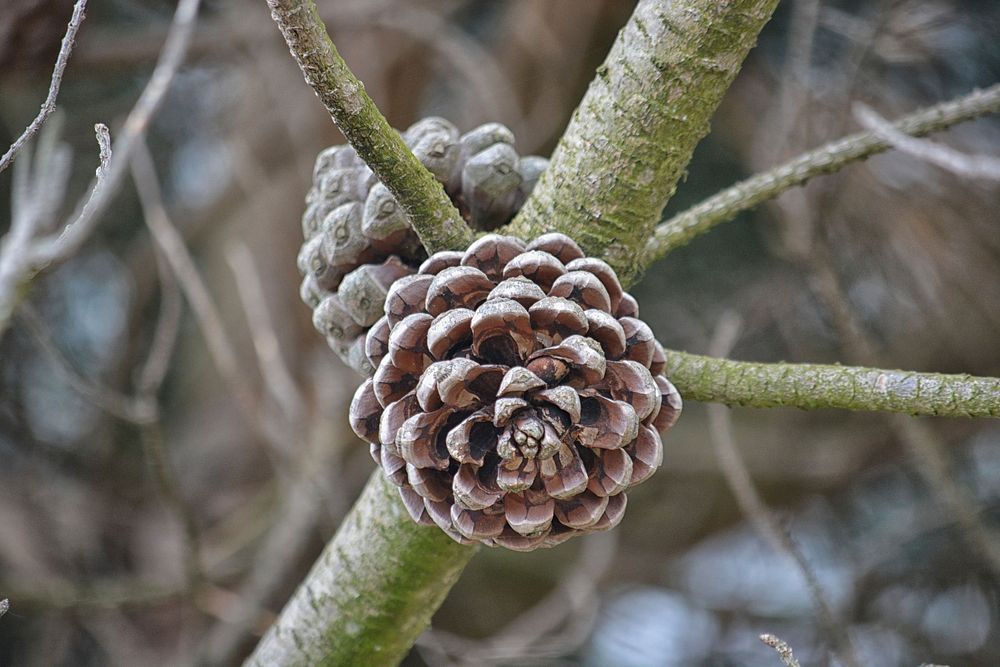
(826, 159)
(634, 132)
(436, 221)
(371, 593)
(815, 386)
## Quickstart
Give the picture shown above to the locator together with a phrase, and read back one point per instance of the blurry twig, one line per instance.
(753, 507)
(784, 650)
(278, 380)
(133, 409)
(962, 164)
(105, 595)
(927, 452)
(831, 157)
(49, 105)
(28, 248)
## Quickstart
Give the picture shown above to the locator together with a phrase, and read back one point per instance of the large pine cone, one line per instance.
(516, 395)
(358, 240)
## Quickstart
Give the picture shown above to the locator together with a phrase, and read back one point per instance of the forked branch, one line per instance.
(435, 219)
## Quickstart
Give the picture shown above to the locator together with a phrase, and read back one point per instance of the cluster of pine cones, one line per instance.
(358, 240)
(514, 393)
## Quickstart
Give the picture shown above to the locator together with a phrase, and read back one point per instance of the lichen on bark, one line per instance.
(815, 386)
(372, 591)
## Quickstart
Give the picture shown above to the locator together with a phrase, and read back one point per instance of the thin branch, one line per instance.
(926, 449)
(435, 219)
(957, 162)
(817, 386)
(171, 244)
(49, 105)
(28, 252)
(831, 157)
(131, 409)
(278, 379)
(100, 595)
(784, 650)
(756, 511)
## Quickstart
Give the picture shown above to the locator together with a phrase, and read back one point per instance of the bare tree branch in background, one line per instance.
(49, 105)
(29, 248)
(957, 162)
(756, 511)
(831, 157)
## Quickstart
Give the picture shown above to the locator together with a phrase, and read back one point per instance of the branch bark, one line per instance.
(634, 132)
(371, 593)
(827, 159)
(816, 386)
(435, 219)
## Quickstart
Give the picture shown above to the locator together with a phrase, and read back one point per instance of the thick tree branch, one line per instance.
(815, 386)
(435, 219)
(635, 130)
(829, 158)
(371, 593)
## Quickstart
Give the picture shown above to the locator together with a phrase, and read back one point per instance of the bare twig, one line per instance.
(756, 511)
(131, 409)
(28, 252)
(49, 105)
(831, 157)
(784, 650)
(278, 380)
(957, 162)
(282, 445)
(171, 244)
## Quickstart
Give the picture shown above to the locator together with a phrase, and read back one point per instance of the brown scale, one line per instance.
(517, 396)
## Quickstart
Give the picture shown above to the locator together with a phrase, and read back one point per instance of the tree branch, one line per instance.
(49, 105)
(816, 386)
(381, 577)
(435, 219)
(635, 130)
(829, 158)
(371, 593)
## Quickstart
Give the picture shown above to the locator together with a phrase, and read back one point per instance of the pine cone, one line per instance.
(358, 240)
(516, 395)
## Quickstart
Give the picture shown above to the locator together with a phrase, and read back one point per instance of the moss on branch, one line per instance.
(372, 591)
(815, 386)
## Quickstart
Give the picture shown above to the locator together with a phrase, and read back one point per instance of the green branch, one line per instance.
(371, 593)
(633, 134)
(815, 386)
(435, 219)
(832, 157)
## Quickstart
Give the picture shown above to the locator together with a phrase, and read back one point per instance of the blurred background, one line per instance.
(160, 498)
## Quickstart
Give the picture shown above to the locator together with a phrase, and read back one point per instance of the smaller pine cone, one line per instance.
(358, 239)
(516, 394)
